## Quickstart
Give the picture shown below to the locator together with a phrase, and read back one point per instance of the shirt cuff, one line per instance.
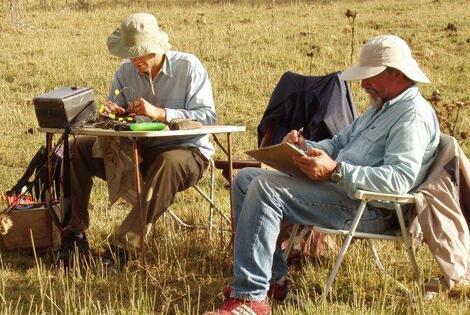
(347, 169)
(171, 114)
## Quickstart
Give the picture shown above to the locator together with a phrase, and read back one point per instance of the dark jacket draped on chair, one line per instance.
(322, 105)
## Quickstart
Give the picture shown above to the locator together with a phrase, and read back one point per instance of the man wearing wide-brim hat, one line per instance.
(388, 149)
(162, 85)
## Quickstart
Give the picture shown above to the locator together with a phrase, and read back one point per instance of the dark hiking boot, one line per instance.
(74, 249)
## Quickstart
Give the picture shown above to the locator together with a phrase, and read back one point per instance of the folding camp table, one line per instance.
(135, 135)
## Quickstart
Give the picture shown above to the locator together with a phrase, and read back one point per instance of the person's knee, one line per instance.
(170, 166)
(166, 161)
(264, 189)
(239, 181)
(243, 178)
(257, 183)
(174, 158)
(81, 147)
(258, 195)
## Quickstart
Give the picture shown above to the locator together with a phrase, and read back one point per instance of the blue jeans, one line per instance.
(261, 199)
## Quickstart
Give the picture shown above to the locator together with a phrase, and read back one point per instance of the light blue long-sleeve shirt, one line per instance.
(182, 87)
(389, 150)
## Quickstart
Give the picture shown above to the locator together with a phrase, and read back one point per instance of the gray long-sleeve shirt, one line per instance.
(182, 88)
(389, 150)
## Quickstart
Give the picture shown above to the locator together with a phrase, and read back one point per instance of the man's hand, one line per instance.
(317, 165)
(111, 107)
(140, 106)
(295, 138)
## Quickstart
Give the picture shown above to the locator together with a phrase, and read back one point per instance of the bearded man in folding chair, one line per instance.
(388, 149)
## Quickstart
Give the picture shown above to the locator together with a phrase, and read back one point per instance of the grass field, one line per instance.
(245, 46)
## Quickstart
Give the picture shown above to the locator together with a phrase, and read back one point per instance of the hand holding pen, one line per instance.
(295, 137)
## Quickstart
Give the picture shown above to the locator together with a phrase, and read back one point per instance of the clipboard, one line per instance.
(279, 157)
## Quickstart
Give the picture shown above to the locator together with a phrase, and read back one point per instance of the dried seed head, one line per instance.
(451, 27)
(5, 223)
(350, 13)
(460, 104)
(436, 96)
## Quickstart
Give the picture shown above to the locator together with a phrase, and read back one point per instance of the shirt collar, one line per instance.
(409, 93)
(166, 69)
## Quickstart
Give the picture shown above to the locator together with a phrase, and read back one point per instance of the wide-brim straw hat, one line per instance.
(381, 52)
(138, 35)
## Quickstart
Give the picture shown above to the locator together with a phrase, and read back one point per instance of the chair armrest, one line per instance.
(369, 196)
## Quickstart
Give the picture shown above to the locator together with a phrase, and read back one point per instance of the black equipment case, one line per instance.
(64, 107)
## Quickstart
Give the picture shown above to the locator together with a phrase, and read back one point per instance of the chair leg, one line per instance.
(381, 267)
(408, 241)
(181, 222)
(346, 244)
(212, 197)
(211, 202)
(295, 230)
(377, 261)
(209, 198)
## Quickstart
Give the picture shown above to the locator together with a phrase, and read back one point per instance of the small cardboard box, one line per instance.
(32, 223)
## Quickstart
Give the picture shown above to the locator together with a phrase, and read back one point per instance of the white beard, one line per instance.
(375, 101)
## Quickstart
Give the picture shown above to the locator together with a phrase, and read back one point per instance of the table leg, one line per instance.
(230, 175)
(135, 157)
(49, 165)
(49, 184)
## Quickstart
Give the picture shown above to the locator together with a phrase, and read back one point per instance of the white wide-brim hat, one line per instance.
(138, 35)
(381, 52)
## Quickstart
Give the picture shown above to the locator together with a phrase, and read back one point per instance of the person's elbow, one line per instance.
(402, 181)
(211, 117)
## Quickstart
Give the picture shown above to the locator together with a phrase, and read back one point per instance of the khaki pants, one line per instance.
(164, 171)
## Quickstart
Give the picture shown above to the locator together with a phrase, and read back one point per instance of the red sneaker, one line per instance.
(276, 291)
(237, 306)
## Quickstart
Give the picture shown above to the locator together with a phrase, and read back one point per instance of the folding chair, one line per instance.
(446, 161)
(404, 235)
(210, 198)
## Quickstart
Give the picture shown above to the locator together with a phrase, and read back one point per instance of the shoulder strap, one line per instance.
(36, 163)
(66, 189)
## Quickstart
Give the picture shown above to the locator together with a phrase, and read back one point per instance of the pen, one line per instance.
(299, 134)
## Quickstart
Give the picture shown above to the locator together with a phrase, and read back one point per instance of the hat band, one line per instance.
(139, 38)
(377, 62)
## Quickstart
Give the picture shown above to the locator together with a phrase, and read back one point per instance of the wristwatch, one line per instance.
(337, 176)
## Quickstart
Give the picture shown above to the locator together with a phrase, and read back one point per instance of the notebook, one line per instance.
(279, 157)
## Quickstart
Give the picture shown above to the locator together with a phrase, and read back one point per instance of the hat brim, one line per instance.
(412, 71)
(409, 69)
(360, 73)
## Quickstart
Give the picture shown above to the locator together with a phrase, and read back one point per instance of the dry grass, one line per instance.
(246, 46)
